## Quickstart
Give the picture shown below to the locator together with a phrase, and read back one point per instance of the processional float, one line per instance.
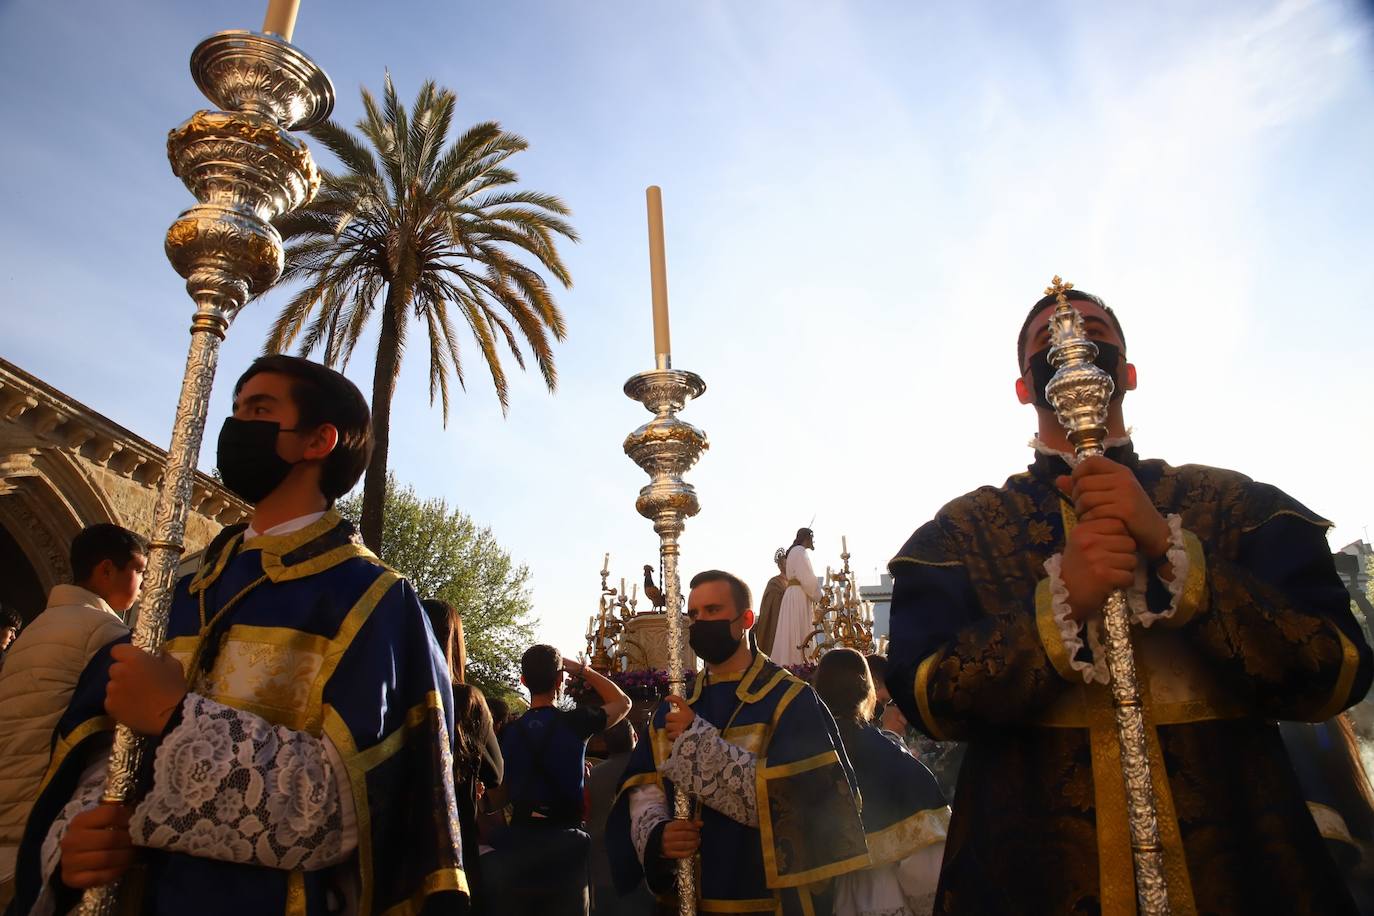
(666, 448)
(245, 169)
(1081, 394)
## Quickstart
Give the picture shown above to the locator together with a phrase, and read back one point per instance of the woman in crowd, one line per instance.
(477, 763)
(904, 814)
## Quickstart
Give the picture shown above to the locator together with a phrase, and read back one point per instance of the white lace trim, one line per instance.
(1072, 459)
(87, 796)
(229, 785)
(1071, 632)
(704, 764)
(648, 809)
(1177, 555)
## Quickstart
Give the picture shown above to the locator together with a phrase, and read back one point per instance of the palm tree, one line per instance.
(427, 233)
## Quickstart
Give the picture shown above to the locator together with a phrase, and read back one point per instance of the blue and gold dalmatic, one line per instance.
(809, 827)
(310, 631)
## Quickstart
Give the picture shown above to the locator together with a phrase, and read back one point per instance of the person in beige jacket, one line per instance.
(43, 664)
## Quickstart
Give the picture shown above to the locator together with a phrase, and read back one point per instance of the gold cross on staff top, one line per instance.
(1058, 288)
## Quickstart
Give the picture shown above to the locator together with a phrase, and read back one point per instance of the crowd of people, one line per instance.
(315, 747)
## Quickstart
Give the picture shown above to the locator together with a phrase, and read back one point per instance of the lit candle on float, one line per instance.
(844, 544)
(281, 18)
(606, 565)
(658, 276)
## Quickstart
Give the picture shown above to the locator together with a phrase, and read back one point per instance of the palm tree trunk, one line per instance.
(383, 387)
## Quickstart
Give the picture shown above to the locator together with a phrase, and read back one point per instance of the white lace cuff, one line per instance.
(231, 786)
(1177, 555)
(1072, 633)
(648, 809)
(722, 774)
(87, 796)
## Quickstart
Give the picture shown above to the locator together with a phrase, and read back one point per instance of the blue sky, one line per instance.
(861, 201)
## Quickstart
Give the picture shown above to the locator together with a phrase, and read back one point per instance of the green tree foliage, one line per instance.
(419, 230)
(446, 555)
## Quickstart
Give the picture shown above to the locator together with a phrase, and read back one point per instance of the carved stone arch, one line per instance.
(87, 500)
(43, 523)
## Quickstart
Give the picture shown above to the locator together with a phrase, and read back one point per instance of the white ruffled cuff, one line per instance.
(1177, 556)
(1072, 633)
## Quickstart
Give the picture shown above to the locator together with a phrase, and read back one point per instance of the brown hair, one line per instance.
(447, 624)
(739, 592)
(845, 686)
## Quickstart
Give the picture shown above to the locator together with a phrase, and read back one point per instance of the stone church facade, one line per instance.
(62, 467)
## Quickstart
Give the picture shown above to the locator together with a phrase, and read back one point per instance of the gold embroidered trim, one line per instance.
(1350, 666)
(1177, 878)
(923, 700)
(445, 879)
(1050, 637)
(813, 762)
(751, 905)
(277, 571)
(919, 562)
(1194, 596)
(338, 733)
(295, 893)
(64, 746)
(1315, 520)
(371, 758)
(899, 840)
(357, 616)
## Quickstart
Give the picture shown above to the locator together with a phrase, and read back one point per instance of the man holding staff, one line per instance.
(776, 815)
(301, 712)
(1239, 619)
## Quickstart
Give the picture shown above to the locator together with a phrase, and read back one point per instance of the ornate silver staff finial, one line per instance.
(1081, 394)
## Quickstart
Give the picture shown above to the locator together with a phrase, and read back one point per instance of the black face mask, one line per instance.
(712, 640)
(1108, 360)
(248, 460)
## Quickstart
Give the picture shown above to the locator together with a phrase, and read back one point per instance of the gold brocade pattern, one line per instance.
(1030, 813)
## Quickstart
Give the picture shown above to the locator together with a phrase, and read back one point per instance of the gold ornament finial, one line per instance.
(1057, 289)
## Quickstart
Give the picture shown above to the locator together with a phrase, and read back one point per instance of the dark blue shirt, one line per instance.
(545, 752)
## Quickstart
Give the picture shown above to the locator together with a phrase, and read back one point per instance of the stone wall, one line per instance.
(64, 466)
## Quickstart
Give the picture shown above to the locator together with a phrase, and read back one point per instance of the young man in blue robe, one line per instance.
(301, 712)
(1239, 620)
(775, 812)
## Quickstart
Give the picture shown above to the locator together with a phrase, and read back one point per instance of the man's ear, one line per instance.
(322, 442)
(1023, 392)
(748, 618)
(1130, 377)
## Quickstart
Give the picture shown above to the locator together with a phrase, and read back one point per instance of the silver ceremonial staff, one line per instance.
(245, 170)
(666, 448)
(1081, 394)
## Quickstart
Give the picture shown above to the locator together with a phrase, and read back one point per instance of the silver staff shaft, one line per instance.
(666, 448)
(1081, 395)
(245, 170)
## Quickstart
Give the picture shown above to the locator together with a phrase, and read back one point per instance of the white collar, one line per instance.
(286, 527)
(1069, 457)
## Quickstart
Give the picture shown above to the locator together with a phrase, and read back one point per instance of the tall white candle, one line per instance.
(281, 17)
(844, 544)
(658, 272)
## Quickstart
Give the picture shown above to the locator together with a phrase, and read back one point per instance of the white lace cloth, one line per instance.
(721, 774)
(231, 786)
(1073, 633)
(703, 764)
(902, 888)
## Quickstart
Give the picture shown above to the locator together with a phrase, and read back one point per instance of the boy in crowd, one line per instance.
(43, 665)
